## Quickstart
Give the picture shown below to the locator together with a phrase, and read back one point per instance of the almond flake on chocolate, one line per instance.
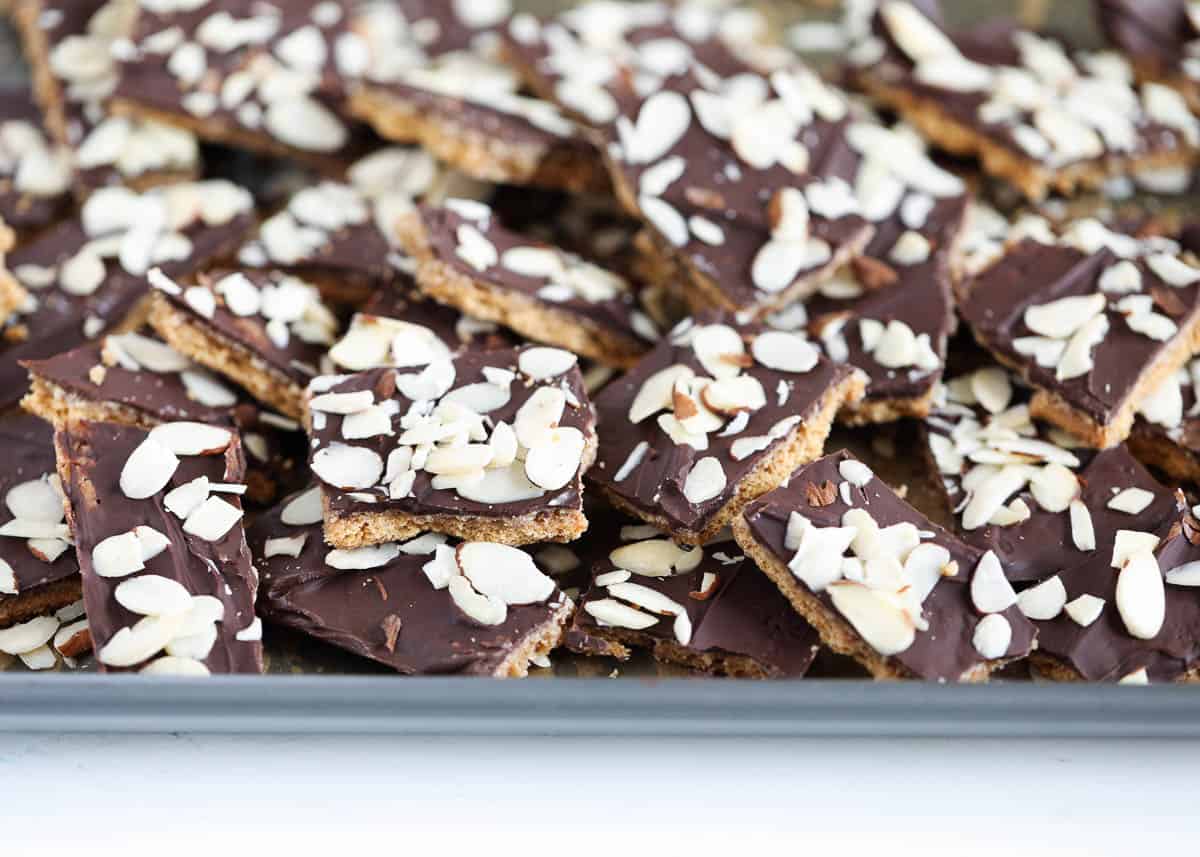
(35, 500)
(992, 389)
(1062, 318)
(705, 481)
(1141, 597)
(152, 595)
(284, 546)
(1082, 533)
(27, 636)
(1085, 609)
(1044, 601)
(140, 642)
(855, 472)
(1054, 487)
(656, 558)
(348, 467)
(992, 636)
(1128, 543)
(990, 590)
(212, 519)
(342, 403)
(304, 509)
(190, 438)
(1077, 357)
(612, 613)
(359, 559)
(73, 640)
(540, 363)
(148, 469)
(1172, 270)
(1131, 501)
(875, 615)
(504, 573)
(656, 392)
(553, 462)
(481, 609)
(1121, 278)
(183, 499)
(784, 352)
(170, 665)
(1187, 574)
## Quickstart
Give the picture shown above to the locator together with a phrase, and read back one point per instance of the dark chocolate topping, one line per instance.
(24, 212)
(29, 449)
(946, 651)
(1150, 31)
(351, 609)
(93, 455)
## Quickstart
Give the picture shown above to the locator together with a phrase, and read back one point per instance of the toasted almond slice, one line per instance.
(916, 35)
(499, 485)
(152, 595)
(189, 438)
(656, 392)
(212, 519)
(358, 559)
(1132, 501)
(198, 645)
(118, 556)
(1085, 609)
(855, 472)
(35, 500)
(541, 363)
(1187, 574)
(1054, 487)
(720, 349)
(303, 509)
(454, 460)
(27, 636)
(1044, 601)
(482, 609)
(1141, 597)
(540, 413)
(877, 619)
(992, 637)
(284, 546)
(1172, 270)
(553, 463)
(342, 403)
(1083, 534)
(1126, 543)
(784, 352)
(183, 499)
(1061, 318)
(705, 481)
(610, 612)
(73, 640)
(132, 645)
(992, 389)
(656, 558)
(1077, 356)
(148, 469)
(534, 262)
(734, 395)
(504, 573)
(347, 467)
(990, 590)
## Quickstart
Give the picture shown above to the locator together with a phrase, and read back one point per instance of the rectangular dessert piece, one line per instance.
(1131, 614)
(1034, 114)
(421, 607)
(1029, 492)
(167, 577)
(266, 330)
(35, 173)
(1094, 319)
(69, 44)
(137, 379)
(487, 445)
(879, 581)
(716, 415)
(432, 75)
(264, 76)
(1166, 433)
(87, 275)
(38, 571)
(706, 608)
(1160, 38)
(468, 259)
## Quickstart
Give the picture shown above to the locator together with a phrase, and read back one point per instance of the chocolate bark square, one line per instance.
(1131, 614)
(1094, 319)
(716, 415)
(879, 581)
(1027, 491)
(87, 275)
(167, 577)
(706, 608)
(486, 445)
(69, 44)
(468, 259)
(432, 75)
(38, 571)
(1034, 113)
(394, 602)
(268, 331)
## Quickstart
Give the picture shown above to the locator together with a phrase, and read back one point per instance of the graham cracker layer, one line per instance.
(1162, 453)
(207, 347)
(805, 443)
(39, 601)
(539, 642)
(474, 151)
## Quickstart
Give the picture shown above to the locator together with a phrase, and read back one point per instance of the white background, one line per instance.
(418, 796)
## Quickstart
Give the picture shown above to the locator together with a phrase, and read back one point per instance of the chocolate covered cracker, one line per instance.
(1029, 492)
(167, 577)
(265, 76)
(1094, 319)
(466, 258)
(486, 445)
(1034, 113)
(87, 275)
(38, 571)
(433, 76)
(70, 46)
(422, 607)
(707, 608)
(1131, 614)
(879, 581)
(716, 415)
(266, 330)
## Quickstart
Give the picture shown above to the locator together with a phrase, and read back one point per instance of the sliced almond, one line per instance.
(553, 463)
(140, 642)
(170, 665)
(35, 500)
(656, 558)
(361, 558)
(342, 403)
(992, 637)
(118, 556)
(1044, 601)
(1077, 356)
(541, 363)
(347, 467)
(148, 469)
(480, 609)
(189, 438)
(1187, 574)
(1131, 501)
(610, 612)
(1061, 318)
(27, 636)
(502, 572)
(152, 595)
(992, 389)
(784, 352)
(303, 509)
(540, 413)
(1054, 487)
(990, 590)
(877, 619)
(1085, 609)
(656, 392)
(855, 472)
(1141, 596)
(1127, 543)
(212, 519)
(705, 481)
(1083, 534)
(734, 395)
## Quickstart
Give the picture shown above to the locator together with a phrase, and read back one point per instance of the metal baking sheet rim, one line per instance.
(670, 707)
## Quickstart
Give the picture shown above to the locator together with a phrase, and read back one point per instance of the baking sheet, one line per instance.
(313, 687)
